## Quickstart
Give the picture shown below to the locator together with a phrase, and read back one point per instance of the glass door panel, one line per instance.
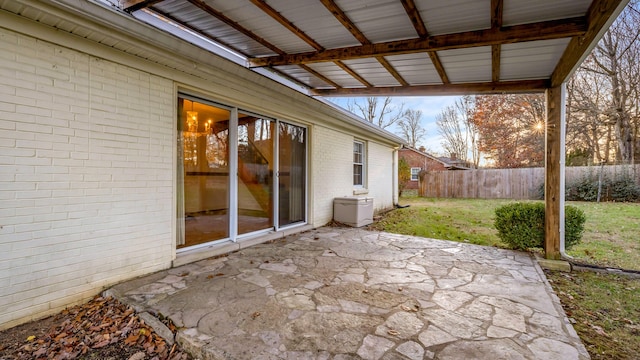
(204, 150)
(292, 159)
(255, 173)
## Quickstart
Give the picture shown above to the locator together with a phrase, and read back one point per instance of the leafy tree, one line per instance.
(404, 175)
(510, 128)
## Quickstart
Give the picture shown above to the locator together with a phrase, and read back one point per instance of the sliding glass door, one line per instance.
(255, 173)
(292, 174)
(238, 173)
(204, 161)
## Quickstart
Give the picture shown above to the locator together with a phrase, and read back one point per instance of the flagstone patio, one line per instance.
(344, 293)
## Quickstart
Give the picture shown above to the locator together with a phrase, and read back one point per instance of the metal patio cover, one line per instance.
(401, 47)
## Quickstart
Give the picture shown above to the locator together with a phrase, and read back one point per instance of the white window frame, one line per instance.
(416, 173)
(362, 164)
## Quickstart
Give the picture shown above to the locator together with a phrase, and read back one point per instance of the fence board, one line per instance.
(506, 183)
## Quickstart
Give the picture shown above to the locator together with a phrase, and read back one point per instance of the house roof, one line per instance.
(400, 47)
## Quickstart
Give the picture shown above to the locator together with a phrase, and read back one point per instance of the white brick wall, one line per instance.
(86, 164)
(332, 172)
(380, 175)
(87, 159)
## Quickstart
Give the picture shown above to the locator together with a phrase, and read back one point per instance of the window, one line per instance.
(414, 173)
(358, 163)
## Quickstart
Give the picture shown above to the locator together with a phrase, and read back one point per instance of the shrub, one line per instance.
(521, 225)
(624, 189)
(574, 220)
(621, 187)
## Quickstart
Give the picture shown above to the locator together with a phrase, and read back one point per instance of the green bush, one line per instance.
(573, 226)
(521, 225)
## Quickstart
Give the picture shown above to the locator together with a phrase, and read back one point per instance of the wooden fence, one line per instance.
(506, 183)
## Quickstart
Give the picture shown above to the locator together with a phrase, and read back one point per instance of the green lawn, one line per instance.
(611, 237)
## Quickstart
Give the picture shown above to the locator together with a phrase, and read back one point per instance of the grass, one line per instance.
(610, 237)
(604, 307)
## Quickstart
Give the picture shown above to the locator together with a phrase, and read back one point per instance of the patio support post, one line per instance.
(554, 173)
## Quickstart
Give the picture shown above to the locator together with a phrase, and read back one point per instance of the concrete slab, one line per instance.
(345, 293)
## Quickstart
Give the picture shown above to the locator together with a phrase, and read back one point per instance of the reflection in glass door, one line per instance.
(203, 136)
(255, 173)
(292, 160)
(228, 163)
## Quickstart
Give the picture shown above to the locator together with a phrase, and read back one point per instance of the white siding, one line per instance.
(85, 175)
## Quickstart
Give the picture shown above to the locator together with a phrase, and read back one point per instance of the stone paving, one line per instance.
(343, 293)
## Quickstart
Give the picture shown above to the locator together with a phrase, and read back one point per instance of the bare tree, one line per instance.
(604, 92)
(383, 114)
(451, 128)
(466, 109)
(411, 128)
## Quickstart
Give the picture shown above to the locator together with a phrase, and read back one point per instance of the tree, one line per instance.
(451, 128)
(458, 130)
(511, 129)
(404, 175)
(603, 94)
(466, 107)
(411, 128)
(383, 114)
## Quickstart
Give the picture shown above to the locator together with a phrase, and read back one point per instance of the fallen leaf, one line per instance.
(31, 338)
(132, 339)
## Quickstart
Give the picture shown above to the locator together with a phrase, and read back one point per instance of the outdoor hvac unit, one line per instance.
(354, 211)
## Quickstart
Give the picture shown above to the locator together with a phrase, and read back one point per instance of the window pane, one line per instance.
(357, 174)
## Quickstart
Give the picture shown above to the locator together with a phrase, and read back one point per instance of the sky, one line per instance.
(430, 106)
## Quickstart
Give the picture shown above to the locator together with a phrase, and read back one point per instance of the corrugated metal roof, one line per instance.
(530, 60)
(416, 69)
(527, 11)
(350, 47)
(379, 20)
(453, 16)
(467, 65)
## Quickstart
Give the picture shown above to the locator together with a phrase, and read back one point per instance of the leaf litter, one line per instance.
(101, 328)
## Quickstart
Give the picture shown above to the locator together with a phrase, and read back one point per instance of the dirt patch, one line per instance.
(103, 329)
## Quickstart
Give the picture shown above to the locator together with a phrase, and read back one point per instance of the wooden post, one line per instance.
(554, 173)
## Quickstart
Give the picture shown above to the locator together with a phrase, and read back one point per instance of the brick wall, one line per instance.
(86, 160)
(420, 161)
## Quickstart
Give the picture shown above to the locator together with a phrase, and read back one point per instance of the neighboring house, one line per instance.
(419, 160)
(125, 150)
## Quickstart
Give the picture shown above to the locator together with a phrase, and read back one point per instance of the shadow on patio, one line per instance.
(342, 293)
